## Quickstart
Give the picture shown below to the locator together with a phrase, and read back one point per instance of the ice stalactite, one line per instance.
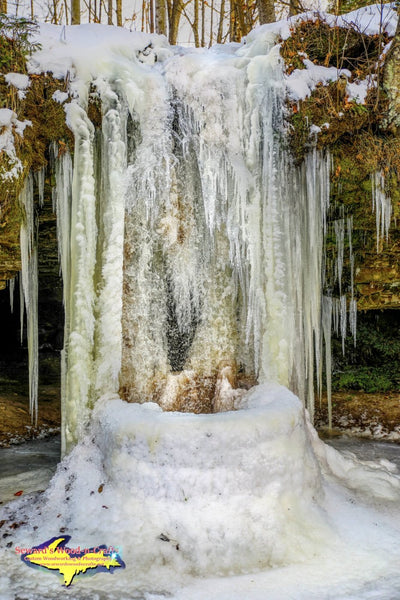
(62, 204)
(39, 180)
(339, 227)
(382, 205)
(339, 277)
(110, 243)
(327, 307)
(89, 200)
(29, 288)
(11, 289)
(81, 262)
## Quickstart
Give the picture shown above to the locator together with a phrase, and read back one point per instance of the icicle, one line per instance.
(11, 287)
(343, 319)
(353, 319)
(62, 205)
(29, 278)
(339, 226)
(39, 180)
(327, 331)
(77, 245)
(21, 309)
(111, 240)
(382, 205)
(353, 301)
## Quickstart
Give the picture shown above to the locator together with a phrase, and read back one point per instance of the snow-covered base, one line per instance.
(185, 495)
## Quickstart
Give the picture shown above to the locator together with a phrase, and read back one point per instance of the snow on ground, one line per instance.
(18, 80)
(245, 504)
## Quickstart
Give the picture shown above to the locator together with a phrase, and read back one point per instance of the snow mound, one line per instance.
(184, 495)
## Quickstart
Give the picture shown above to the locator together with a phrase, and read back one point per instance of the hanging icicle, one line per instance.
(29, 287)
(11, 288)
(382, 205)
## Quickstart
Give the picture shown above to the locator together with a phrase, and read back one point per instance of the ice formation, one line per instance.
(227, 494)
(382, 206)
(192, 254)
(218, 223)
(29, 289)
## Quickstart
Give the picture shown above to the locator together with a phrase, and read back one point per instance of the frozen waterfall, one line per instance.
(191, 246)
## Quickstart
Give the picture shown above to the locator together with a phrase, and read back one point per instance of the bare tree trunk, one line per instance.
(110, 12)
(391, 82)
(211, 24)
(119, 12)
(266, 11)
(151, 16)
(161, 17)
(54, 19)
(66, 11)
(3, 6)
(237, 23)
(143, 14)
(195, 24)
(203, 24)
(221, 22)
(176, 12)
(32, 11)
(75, 12)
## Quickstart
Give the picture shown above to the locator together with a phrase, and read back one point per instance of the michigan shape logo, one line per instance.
(69, 562)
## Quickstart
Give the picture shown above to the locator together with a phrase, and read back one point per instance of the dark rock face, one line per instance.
(13, 354)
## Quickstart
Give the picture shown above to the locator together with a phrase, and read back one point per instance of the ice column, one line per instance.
(89, 199)
(29, 287)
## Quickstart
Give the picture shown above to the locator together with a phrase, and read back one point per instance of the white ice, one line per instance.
(251, 500)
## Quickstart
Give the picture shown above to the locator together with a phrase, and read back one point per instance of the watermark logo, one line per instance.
(69, 562)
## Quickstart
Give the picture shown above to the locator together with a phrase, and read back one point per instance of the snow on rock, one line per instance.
(372, 20)
(358, 90)
(60, 96)
(302, 82)
(88, 51)
(18, 80)
(9, 126)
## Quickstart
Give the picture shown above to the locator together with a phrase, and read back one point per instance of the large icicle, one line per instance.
(29, 279)
(382, 205)
(79, 342)
(62, 204)
(111, 211)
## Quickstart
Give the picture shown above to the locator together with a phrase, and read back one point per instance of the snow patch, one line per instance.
(18, 80)
(9, 126)
(60, 96)
(301, 83)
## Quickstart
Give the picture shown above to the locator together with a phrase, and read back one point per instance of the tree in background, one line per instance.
(266, 11)
(203, 21)
(391, 80)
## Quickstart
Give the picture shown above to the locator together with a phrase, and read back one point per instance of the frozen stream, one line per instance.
(28, 467)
